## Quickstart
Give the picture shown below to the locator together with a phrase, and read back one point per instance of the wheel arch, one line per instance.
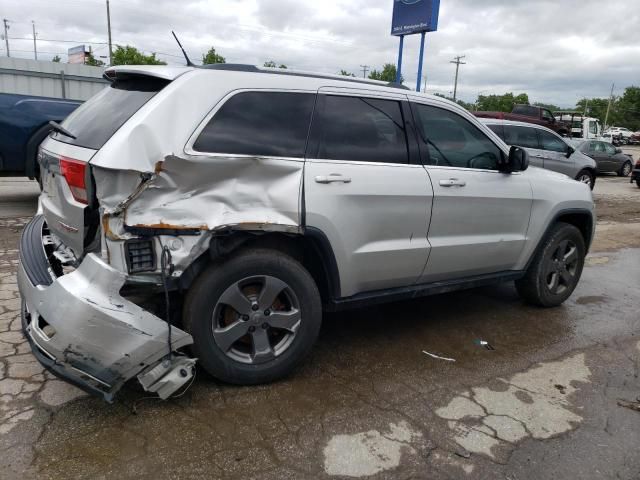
(311, 248)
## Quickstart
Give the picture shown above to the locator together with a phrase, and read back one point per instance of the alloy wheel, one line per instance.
(561, 267)
(256, 319)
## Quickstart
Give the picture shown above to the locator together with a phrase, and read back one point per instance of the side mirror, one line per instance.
(518, 160)
(618, 150)
(570, 151)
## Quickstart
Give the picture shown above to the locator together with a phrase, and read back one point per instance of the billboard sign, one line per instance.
(76, 54)
(414, 16)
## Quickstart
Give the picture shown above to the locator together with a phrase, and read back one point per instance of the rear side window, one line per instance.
(274, 124)
(552, 143)
(521, 136)
(525, 110)
(361, 129)
(96, 120)
(497, 129)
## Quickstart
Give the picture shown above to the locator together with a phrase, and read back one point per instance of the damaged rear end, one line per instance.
(78, 258)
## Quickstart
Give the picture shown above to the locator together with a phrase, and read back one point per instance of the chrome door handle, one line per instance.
(332, 178)
(537, 156)
(452, 182)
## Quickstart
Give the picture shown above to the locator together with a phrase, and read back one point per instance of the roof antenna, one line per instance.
(189, 63)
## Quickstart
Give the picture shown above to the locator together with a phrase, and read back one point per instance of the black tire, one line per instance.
(536, 286)
(625, 170)
(241, 362)
(638, 182)
(588, 177)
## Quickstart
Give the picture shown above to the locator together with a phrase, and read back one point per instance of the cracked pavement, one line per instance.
(368, 403)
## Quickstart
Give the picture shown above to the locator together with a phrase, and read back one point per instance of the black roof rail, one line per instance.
(240, 67)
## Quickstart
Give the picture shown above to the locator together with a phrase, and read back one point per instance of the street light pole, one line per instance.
(458, 63)
(35, 48)
(109, 33)
(6, 35)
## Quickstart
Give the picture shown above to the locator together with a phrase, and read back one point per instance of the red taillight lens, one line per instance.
(74, 173)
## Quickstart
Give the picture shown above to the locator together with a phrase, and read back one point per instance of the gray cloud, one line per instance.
(555, 50)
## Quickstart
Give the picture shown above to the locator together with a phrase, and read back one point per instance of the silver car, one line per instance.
(546, 149)
(214, 213)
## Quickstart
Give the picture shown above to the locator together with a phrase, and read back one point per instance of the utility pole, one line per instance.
(35, 48)
(606, 118)
(6, 34)
(365, 69)
(109, 33)
(458, 62)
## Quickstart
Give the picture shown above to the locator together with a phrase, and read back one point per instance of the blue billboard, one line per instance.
(414, 16)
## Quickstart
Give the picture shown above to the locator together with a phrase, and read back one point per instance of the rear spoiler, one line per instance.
(157, 71)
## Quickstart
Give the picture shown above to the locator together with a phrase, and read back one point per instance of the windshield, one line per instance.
(95, 121)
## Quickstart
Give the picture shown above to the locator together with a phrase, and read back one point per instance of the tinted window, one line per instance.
(259, 123)
(96, 120)
(450, 140)
(550, 142)
(497, 129)
(526, 110)
(521, 136)
(362, 129)
(597, 147)
(546, 114)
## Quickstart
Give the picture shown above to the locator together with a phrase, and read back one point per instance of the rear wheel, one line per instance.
(254, 317)
(586, 177)
(556, 269)
(625, 170)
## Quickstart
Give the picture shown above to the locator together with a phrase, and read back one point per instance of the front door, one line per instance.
(363, 193)
(480, 216)
(555, 153)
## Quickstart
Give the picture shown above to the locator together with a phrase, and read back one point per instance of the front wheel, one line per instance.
(625, 170)
(556, 269)
(586, 177)
(254, 317)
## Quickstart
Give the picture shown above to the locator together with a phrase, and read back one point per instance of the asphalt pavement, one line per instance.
(517, 393)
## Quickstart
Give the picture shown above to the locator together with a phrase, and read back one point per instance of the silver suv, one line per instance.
(546, 149)
(213, 213)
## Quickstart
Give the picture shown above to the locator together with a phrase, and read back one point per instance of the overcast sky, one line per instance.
(557, 51)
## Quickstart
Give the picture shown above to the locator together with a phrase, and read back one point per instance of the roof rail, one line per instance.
(240, 67)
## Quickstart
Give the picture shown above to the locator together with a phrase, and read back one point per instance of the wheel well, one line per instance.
(583, 221)
(311, 249)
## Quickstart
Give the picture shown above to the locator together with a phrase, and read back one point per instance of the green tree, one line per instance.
(272, 64)
(462, 103)
(628, 109)
(500, 103)
(548, 106)
(344, 73)
(212, 57)
(597, 107)
(129, 55)
(93, 61)
(56, 59)
(387, 74)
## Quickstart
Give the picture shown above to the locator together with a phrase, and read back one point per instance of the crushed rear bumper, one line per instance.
(82, 329)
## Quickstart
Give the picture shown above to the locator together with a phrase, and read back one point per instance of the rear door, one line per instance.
(67, 200)
(480, 216)
(555, 153)
(364, 192)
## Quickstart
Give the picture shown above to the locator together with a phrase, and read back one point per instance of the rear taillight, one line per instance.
(74, 173)
(638, 163)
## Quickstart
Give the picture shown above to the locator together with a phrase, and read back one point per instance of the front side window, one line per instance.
(610, 149)
(598, 147)
(361, 129)
(260, 123)
(551, 142)
(521, 136)
(593, 127)
(452, 141)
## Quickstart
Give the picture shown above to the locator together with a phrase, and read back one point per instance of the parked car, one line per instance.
(635, 174)
(531, 114)
(24, 124)
(609, 159)
(255, 198)
(546, 149)
(620, 132)
(635, 138)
